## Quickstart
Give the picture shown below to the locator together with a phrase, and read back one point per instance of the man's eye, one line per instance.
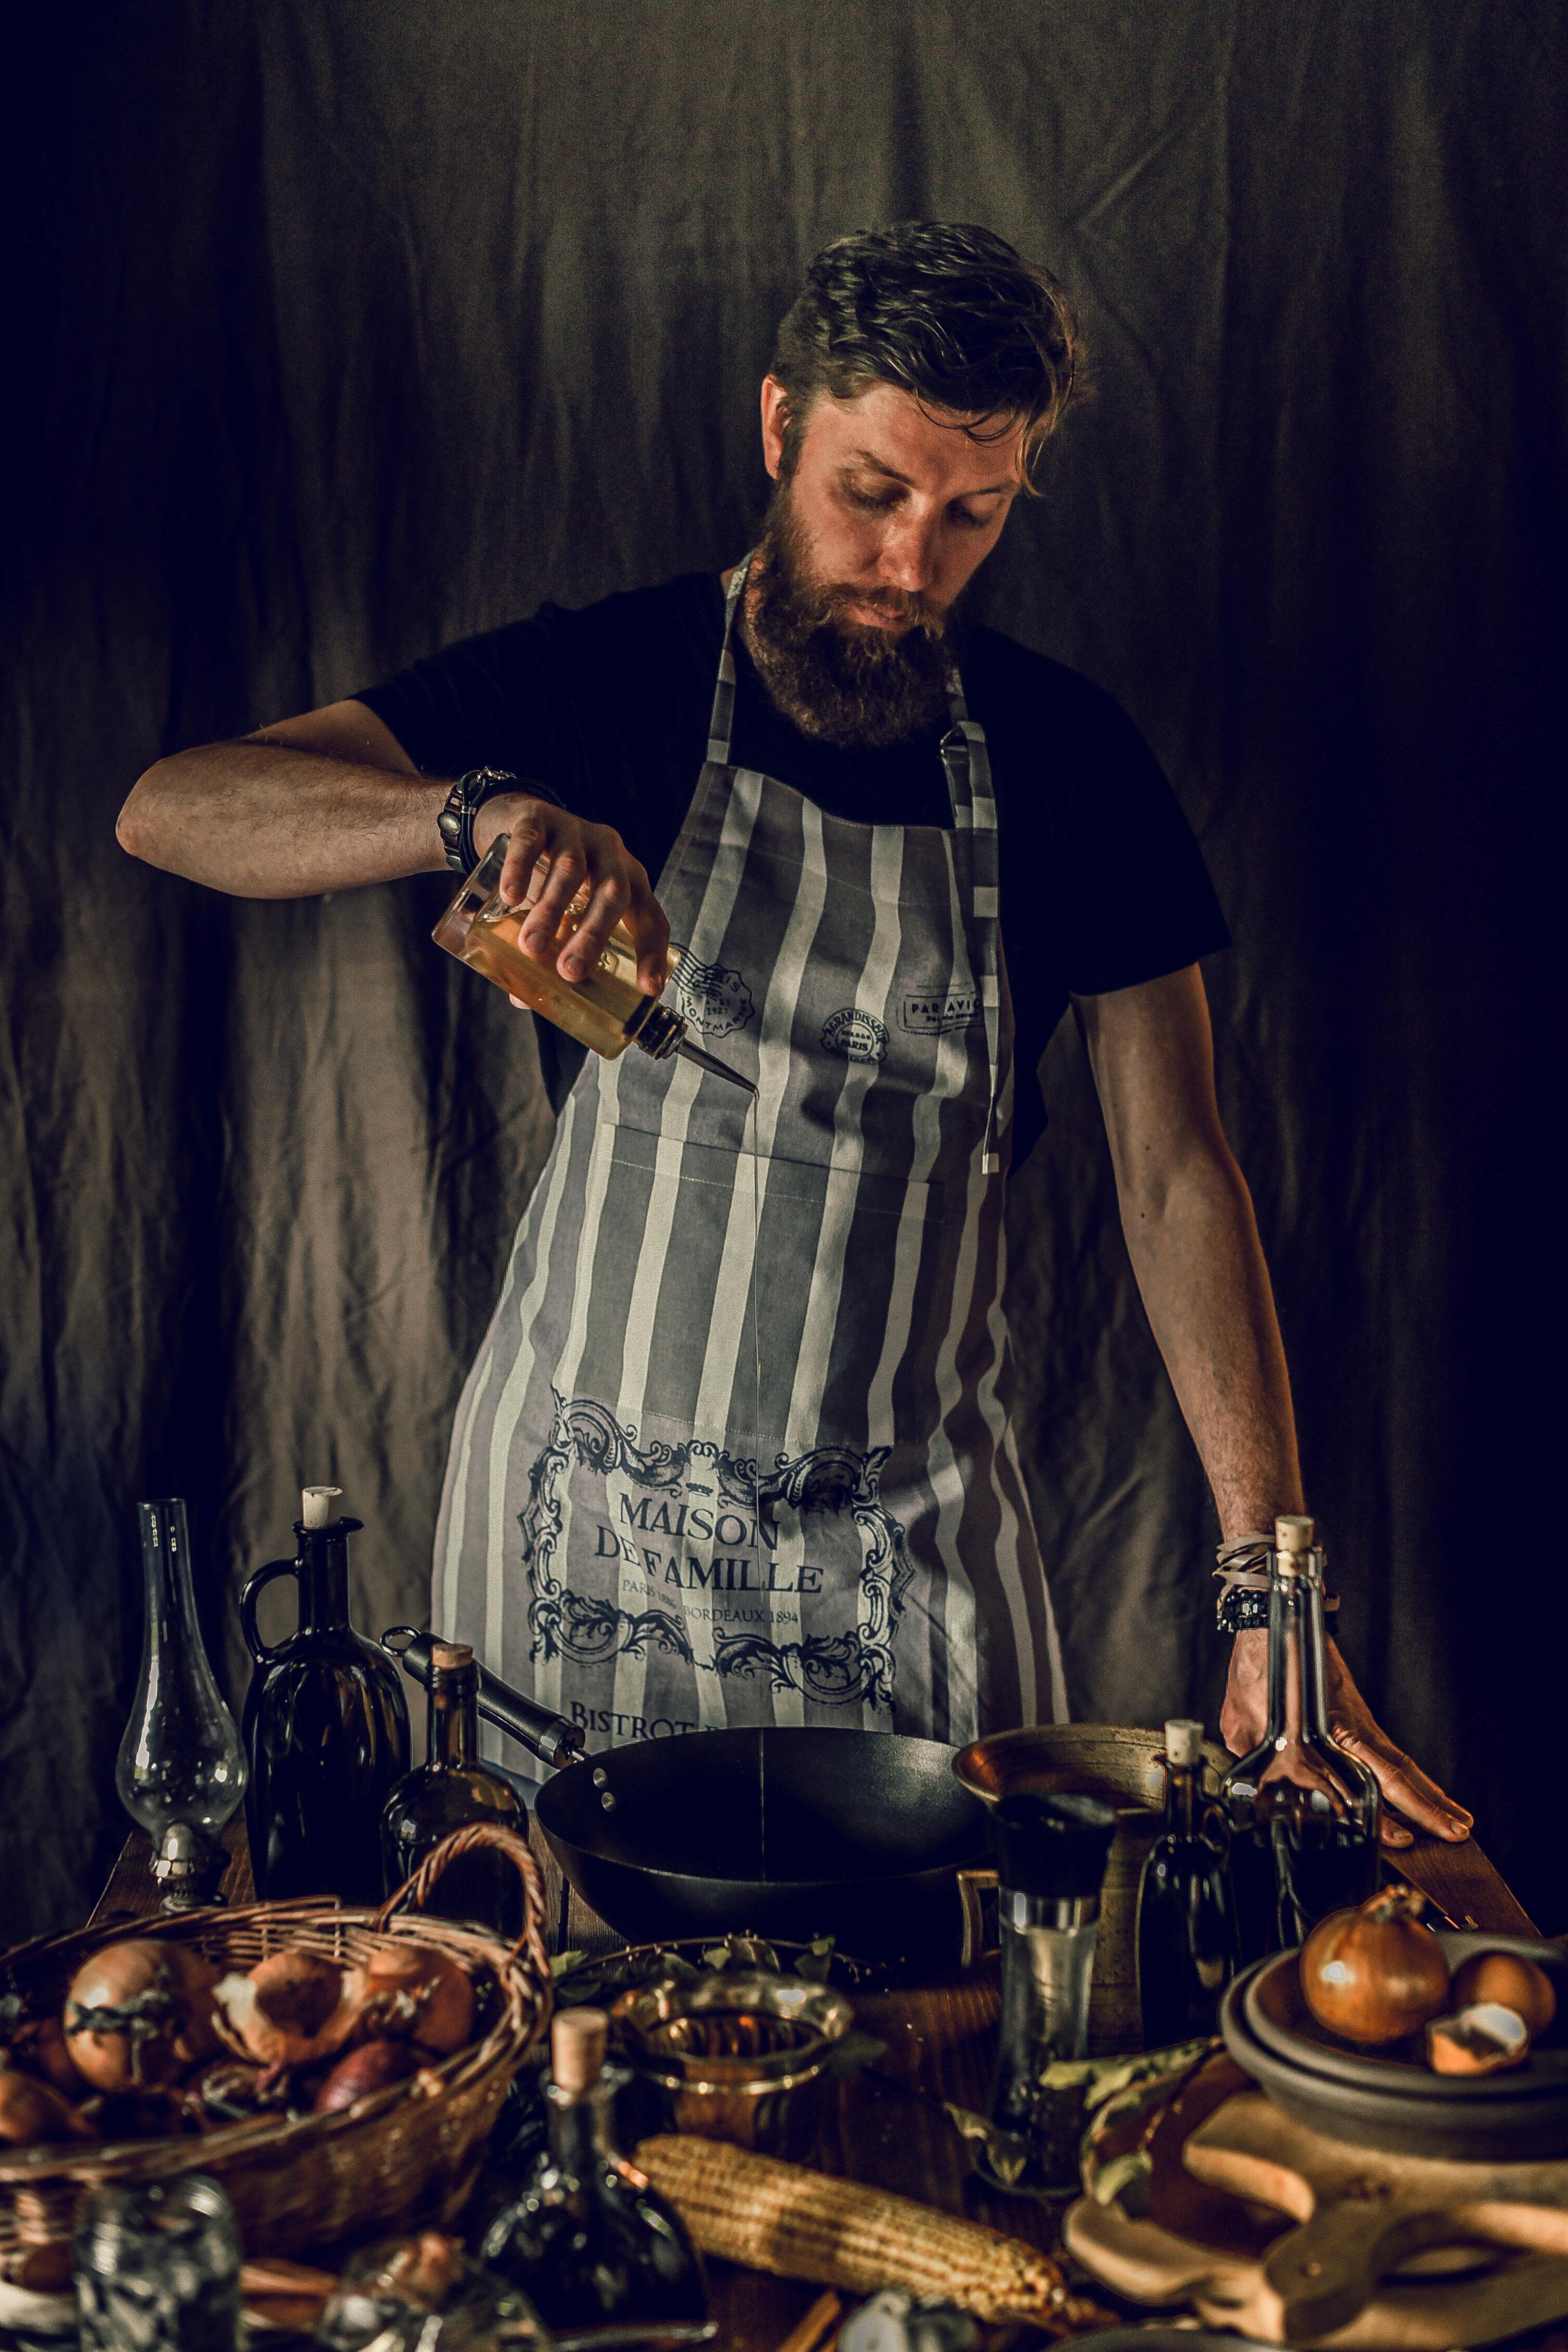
(969, 521)
(875, 501)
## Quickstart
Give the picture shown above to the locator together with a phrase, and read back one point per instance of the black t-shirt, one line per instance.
(1102, 882)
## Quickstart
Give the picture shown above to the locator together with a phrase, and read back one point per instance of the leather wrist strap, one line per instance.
(462, 805)
(1243, 1568)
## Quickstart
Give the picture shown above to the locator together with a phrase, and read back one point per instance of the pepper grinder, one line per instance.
(1051, 1854)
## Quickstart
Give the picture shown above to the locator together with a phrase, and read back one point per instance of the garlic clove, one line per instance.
(1477, 2041)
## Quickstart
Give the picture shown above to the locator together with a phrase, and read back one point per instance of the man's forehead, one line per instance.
(886, 428)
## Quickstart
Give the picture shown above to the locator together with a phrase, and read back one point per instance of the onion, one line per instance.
(292, 2009)
(1477, 2040)
(40, 2048)
(32, 2114)
(373, 2066)
(1504, 1979)
(139, 2013)
(412, 1993)
(1375, 1974)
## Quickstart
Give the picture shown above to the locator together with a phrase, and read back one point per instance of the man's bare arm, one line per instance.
(331, 801)
(327, 802)
(1193, 1240)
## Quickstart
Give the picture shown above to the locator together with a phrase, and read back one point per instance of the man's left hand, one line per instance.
(1405, 1787)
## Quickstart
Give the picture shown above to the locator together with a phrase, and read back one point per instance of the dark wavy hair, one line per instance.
(946, 312)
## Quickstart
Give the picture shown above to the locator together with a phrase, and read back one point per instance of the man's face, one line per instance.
(871, 538)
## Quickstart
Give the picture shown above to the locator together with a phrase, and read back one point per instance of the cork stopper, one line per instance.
(577, 2039)
(1184, 1742)
(1293, 1534)
(320, 1505)
(446, 1657)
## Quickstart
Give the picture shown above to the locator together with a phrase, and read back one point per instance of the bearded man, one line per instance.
(738, 1448)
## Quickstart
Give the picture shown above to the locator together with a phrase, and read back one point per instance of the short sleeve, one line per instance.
(1137, 901)
(484, 702)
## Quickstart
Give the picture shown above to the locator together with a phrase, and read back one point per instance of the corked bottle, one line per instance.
(1187, 1927)
(1304, 1814)
(588, 2241)
(325, 1725)
(449, 1791)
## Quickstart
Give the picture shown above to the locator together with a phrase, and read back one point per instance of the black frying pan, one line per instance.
(779, 1832)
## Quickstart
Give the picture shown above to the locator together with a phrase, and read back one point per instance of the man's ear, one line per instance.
(775, 423)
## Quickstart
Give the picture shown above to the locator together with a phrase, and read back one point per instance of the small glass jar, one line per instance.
(157, 2268)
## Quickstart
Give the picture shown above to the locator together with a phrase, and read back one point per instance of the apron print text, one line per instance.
(858, 1037)
(683, 1519)
(928, 1015)
(714, 999)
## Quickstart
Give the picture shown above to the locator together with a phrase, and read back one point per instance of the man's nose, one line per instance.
(908, 557)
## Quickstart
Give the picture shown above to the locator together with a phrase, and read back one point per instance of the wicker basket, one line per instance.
(402, 2155)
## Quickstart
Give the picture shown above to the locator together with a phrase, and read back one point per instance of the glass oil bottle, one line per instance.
(450, 1790)
(606, 1010)
(1186, 1924)
(589, 2242)
(325, 1725)
(1304, 1814)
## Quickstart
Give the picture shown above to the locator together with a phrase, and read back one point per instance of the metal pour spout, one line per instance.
(717, 1069)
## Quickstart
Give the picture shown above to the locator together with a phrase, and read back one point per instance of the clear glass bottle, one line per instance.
(1051, 1854)
(181, 1767)
(606, 1010)
(590, 2242)
(451, 1790)
(325, 1725)
(157, 2268)
(1303, 1815)
(1187, 1925)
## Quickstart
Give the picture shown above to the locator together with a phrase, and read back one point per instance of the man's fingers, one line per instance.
(1406, 1787)
(650, 933)
(568, 867)
(604, 911)
(523, 851)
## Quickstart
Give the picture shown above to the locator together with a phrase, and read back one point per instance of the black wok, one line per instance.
(778, 1832)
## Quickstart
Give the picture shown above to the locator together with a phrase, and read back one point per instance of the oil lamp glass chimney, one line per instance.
(181, 1769)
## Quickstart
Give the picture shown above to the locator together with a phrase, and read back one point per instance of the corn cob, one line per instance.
(803, 2224)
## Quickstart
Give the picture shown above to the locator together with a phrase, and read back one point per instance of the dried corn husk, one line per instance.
(803, 2224)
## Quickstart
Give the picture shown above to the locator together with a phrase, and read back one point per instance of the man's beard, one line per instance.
(838, 679)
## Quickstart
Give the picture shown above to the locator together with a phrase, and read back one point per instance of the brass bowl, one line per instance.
(728, 2056)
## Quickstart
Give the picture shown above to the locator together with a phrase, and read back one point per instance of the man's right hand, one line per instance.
(552, 858)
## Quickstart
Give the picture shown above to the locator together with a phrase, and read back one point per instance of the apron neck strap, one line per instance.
(721, 723)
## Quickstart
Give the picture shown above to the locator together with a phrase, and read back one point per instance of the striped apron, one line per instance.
(737, 1447)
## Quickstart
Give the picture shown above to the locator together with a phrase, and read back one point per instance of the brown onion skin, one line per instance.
(306, 2008)
(119, 1975)
(40, 2048)
(415, 1991)
(1512, 1984)
(373, 2066)
(33, 2113)
(1396, 1977)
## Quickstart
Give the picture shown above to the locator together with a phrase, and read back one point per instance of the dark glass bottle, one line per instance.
(1304, 1814)
(589, 2242)
(325, 1726)
(449, 1791)
(1187, 1927)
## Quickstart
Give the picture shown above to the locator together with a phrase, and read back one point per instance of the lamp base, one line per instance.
(188, 1865)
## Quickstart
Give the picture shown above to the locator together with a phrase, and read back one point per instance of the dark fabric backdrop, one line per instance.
(347, 329)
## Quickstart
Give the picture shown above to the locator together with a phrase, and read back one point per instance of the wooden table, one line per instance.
(887, 2125)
